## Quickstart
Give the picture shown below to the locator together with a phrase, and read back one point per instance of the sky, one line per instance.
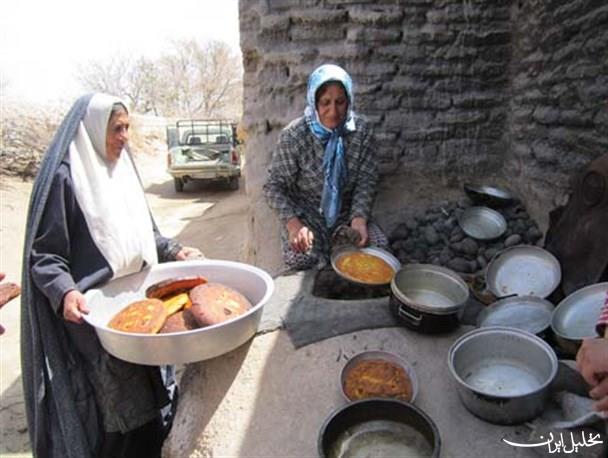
(43, 42)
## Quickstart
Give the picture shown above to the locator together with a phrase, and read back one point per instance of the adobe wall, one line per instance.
(513, 93)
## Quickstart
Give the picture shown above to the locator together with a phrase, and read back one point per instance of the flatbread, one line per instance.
(214, 303)
(141, 317)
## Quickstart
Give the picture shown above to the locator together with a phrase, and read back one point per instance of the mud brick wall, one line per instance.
(510, 92)
(559, 95)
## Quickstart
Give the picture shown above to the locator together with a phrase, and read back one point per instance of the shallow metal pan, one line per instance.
(180, 347)
(523, 270)
(528, 313)
(575, 317)
(482, 223)
(391, 260)
(489, 195)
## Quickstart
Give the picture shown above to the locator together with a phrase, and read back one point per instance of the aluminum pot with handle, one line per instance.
(428, 298)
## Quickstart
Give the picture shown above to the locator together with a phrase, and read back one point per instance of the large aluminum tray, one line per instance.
(180, 347)
(524, 270)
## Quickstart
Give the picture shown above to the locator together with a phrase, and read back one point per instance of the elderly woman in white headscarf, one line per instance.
(324, 173)
(88, 223)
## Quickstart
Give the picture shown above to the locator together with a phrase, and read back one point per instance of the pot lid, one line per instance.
(430, 289)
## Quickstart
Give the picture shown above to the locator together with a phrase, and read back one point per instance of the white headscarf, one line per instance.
(110, 194)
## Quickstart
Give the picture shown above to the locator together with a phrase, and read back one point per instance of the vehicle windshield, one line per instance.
(204, 133)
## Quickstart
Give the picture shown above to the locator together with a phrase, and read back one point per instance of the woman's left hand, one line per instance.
(188, 252)
(359, 224)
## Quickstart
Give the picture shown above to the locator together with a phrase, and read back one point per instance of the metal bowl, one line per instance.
(379, 427)
(528, 313)
(391, 260)
(180, 347)
(575, 317)
(523, 270)
(482, 223)
(502, 374)
(488, 195)
(379, 355)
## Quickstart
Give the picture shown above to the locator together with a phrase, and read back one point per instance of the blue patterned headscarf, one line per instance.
(334, 164)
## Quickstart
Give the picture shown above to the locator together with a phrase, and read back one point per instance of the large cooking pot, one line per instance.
(180, 347)
(428, 298)
(503, 374)
(379, 427)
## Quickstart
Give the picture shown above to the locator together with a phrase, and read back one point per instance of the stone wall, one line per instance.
(512, 93)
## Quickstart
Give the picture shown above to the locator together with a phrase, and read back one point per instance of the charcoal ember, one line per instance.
(411, 224)
(401, 232)
(430, 235)
(459, 265)
(533, 235)
(513, 240)
(445, 255)
(409, 245)
(469, 246)
(449, 224)
(490, 253)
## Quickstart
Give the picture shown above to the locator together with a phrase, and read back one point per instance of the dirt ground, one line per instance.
(207, 216)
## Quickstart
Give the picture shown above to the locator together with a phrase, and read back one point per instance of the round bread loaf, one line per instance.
(179, 322)
(142, 317)
(214, 303)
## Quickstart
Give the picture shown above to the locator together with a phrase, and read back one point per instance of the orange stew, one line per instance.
(365, 268)
(377, 378)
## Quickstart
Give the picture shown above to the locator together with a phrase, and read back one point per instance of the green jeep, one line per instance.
(203, 150)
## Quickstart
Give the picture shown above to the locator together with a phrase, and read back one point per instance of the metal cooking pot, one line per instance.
(379, 427)
(428, 298)
(503, 374)
(180, 347)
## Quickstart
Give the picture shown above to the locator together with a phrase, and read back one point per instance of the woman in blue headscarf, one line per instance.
(324, 174)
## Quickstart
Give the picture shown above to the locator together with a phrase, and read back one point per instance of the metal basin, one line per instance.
(488, 195)
(528, 313)
(523, 270)
(502, 374)
(379, 427)
(575, 317)
(181, 347)
(482, 223)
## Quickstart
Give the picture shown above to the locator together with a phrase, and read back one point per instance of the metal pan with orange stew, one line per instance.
(366, 266)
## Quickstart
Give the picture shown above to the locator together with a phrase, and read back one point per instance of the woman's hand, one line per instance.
(592, 363)
(74, 306)
(359, 224)
(300, 237)
(188, 252)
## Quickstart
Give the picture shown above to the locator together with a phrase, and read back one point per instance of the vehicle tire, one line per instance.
(179, 184)
(233, 184)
